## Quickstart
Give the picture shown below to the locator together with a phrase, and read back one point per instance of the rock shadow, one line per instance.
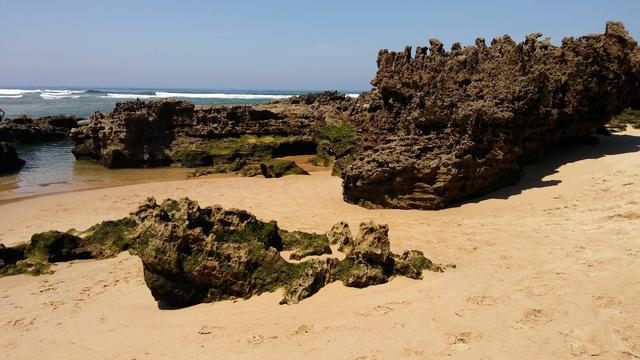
(548, 164)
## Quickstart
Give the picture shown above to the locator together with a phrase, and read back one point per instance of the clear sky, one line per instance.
(307, 45)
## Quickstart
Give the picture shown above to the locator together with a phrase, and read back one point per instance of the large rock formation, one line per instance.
(24, 129)
(9, 160)
(444, 126)
(160, 132)
(438, 127)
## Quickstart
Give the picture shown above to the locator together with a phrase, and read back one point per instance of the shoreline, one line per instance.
(301, 160)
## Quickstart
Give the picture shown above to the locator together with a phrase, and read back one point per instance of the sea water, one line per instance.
(43, 101)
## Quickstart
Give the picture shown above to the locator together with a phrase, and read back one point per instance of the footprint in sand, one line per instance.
(255, 339)
(579, 343)
(208, 329)
(462, 341)
(482, 300)
(384, 309)
(533, 317)
(607, 302)
(407, 352)
(303, 330)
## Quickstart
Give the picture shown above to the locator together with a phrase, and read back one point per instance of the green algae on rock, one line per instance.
(275, 168)
(103, 240)
(304, 244)
(248, 148)
(620, 122)
(335, 143)
(246, 155)
(192, 254)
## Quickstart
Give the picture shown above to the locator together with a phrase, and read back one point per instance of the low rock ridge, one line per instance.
(192, 254)
(28, 130)
(163, 132)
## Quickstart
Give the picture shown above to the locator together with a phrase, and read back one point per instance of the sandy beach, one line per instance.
(546, 269)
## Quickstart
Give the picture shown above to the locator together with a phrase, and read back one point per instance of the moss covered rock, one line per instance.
(102, 240)
(340, 234)
(629, 117)
(192, 254)
(335, 143)
(275, 168)
(304, 244)
(247, 148)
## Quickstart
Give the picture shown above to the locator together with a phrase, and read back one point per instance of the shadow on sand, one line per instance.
(557, 156)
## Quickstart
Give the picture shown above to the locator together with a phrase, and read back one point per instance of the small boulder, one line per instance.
(372, 243)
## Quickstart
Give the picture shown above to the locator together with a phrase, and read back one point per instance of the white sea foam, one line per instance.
(10, 96)
(61, 94)
(57, 96)
(14, 92)
(129, 96)
(221, 95)
(163, 94)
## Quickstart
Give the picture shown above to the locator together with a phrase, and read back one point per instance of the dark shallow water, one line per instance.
(51, 168)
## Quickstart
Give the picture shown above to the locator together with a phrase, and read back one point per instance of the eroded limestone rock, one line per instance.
(441, 127)
(26, 130)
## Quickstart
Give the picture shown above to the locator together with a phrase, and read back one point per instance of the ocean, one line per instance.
(83, 102)
(52, 168)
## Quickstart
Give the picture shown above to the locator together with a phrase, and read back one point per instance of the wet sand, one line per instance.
(547, 269)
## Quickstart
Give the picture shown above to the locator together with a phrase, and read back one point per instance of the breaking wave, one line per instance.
(163, 94)
(143, 94)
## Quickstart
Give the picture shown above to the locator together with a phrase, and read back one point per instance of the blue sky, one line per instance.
(308, 45)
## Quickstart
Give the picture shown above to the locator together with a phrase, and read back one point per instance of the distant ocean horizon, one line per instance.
(83, 101)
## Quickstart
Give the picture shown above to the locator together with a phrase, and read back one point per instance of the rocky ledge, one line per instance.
(216, 138)
(9, 160)
(26, 130)
(192, 254)
(444, 126)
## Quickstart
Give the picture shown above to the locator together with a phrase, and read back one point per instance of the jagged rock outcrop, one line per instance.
(442, 126)
(26, 130)
(160, 132)
(192, 254)
(9, 159)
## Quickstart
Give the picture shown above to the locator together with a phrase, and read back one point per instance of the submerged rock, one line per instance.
(9, 160)
(441, 127)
